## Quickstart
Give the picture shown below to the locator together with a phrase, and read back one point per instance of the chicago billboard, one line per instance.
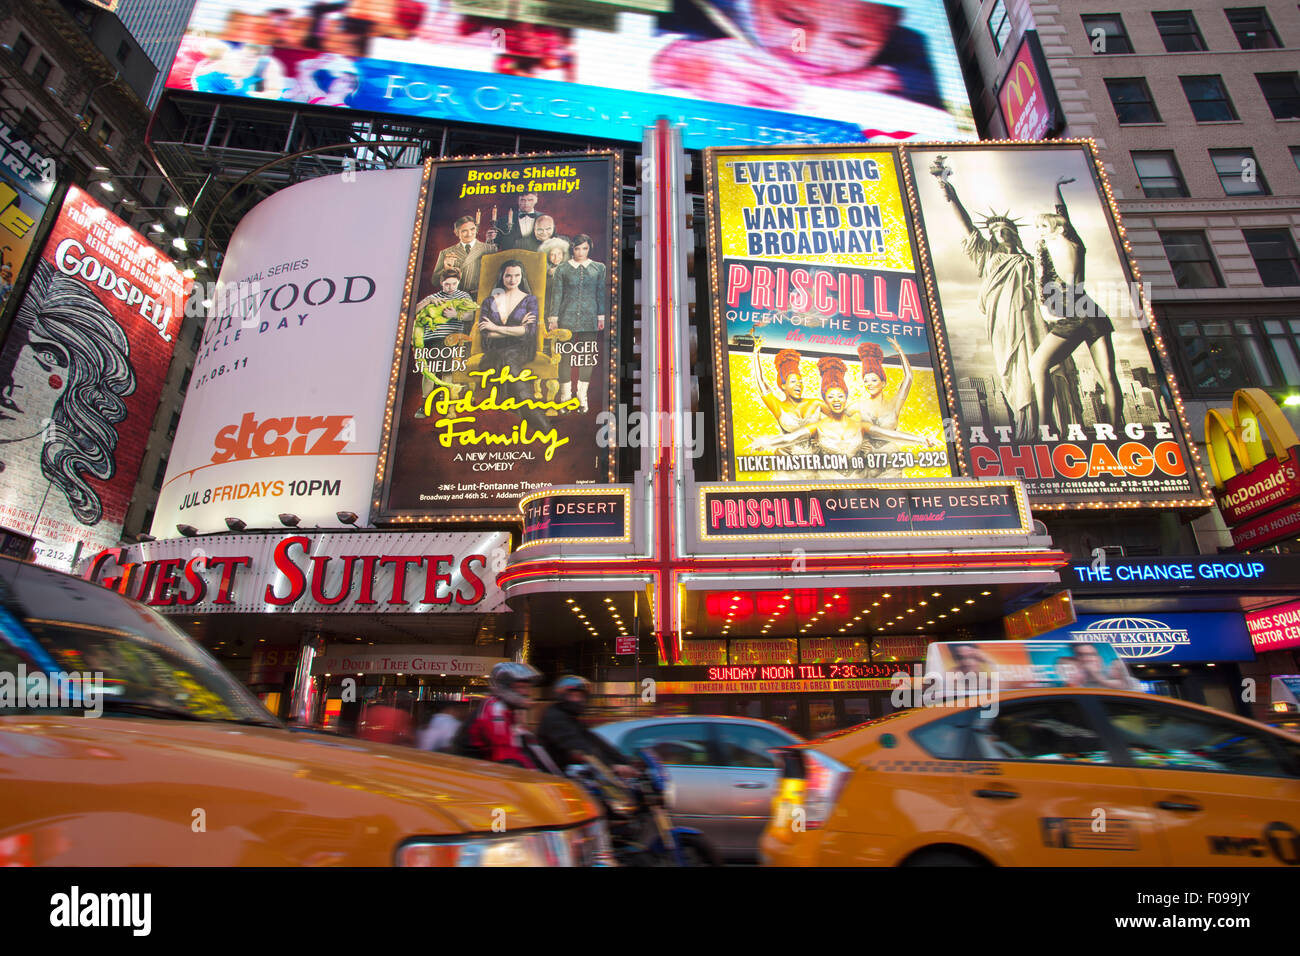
(286, 402)
(732, 71)
(1057, 376)
(80, 378)
(823, 344)
(505, 364)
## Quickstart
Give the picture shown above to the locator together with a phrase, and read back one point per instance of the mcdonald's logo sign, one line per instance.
(1026, 97)
(1253, 459)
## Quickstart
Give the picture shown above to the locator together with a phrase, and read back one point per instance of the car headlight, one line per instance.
(586, 845)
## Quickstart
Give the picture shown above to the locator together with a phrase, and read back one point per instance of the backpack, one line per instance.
(463, 744)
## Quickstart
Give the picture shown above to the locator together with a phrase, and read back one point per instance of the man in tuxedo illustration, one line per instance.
(577, 302)
(520, 232)
(466, 255)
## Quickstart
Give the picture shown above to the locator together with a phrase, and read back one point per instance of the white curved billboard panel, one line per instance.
(286, 403)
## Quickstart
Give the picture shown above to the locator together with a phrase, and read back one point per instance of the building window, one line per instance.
(1295, 156)
(1106, 33)
(1191, 260)
(1208, 98)
(148, 522)
(89, 118)
(1222, 355)
(1132, 101)
(198, 338)
(1275, 255)
(1239, 173)
(185, 379)
(159, 475)
(1179, 31)
(1282, 90)
(999, 25)
(41, 71)
(1159, 175)
(1253, 28)
(29, 124)
(104, 134)
(171, 426)
(22, 49)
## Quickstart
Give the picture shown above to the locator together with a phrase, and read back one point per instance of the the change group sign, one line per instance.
(286, 401)
(823, 343)
(80, 377)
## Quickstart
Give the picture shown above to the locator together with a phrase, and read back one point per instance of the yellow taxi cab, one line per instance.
(123, 743)
(1047, 776)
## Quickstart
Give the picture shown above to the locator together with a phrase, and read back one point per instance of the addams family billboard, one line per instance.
(504, 365)
(729, 71)
(80, 377)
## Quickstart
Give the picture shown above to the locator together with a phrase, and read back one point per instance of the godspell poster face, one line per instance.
(503, 371)
(80, 377)
(824, 345)
(1055, 381)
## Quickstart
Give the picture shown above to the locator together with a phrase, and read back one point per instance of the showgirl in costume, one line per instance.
(839, 431)
(873, 407)
(786, 402)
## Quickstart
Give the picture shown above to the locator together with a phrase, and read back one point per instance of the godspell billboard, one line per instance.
(505, 365)
(80, 377)
(731, 71)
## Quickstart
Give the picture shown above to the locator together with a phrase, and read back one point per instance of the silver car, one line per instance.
(721, 775)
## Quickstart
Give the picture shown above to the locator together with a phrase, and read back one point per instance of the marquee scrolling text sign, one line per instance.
(931, 508)
(577, 516)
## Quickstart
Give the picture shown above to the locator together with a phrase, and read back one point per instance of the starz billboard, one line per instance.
(731, 72)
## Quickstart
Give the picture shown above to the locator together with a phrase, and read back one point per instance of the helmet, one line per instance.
(572, 682)
(507, 673)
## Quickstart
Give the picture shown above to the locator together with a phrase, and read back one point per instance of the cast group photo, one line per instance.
(847, 411)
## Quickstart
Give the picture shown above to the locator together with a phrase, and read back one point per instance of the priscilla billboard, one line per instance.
(80, 377)
(823, 346)
(731, 71)
(286, 403)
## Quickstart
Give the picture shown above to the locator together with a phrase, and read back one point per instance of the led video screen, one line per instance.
(731, 72)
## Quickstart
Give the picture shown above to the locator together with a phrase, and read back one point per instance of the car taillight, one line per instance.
(825, 778)
(586, 845)
(810, 784)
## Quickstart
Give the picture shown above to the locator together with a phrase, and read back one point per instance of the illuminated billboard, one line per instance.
(504, 369)
(823, 343)
(26, 184)
(80, 378)
(1056, 373)
(286, 402)
(733, 72)
(1027, 96)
